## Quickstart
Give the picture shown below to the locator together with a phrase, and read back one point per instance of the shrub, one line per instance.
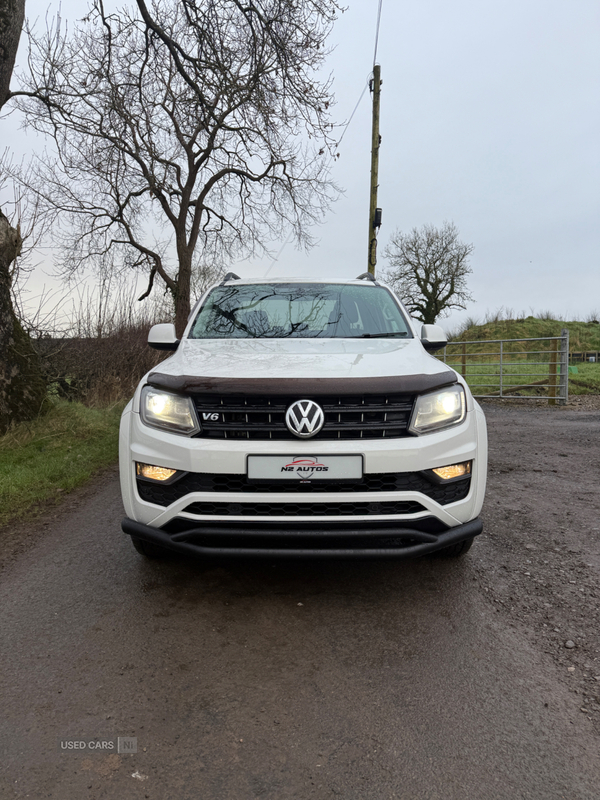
(98, 371)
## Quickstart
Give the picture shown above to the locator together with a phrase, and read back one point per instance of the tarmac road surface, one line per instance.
(433, 679)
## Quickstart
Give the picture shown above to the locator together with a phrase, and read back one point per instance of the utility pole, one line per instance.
(374, 212)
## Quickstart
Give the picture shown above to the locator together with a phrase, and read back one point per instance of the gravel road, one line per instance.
(442, 680)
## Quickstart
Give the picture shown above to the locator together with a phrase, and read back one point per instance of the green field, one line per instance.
(484, 378)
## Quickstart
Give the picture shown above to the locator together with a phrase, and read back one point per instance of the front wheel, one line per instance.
(149, 550)
(456, 550)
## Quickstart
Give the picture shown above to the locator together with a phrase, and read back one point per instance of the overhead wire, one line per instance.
(345, 128)
(339, 141)
(362, 94)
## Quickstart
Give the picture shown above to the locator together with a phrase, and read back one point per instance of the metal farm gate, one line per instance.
(513, 368)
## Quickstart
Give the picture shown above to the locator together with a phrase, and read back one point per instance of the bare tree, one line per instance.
(187, 134)
(428, 270)
(22, 387)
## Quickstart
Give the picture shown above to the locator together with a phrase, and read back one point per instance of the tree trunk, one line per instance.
(22, 386)
(182, 297)
(12, 13)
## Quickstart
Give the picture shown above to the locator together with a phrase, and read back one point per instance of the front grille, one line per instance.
(261, 418)
(162, 495)
(302, 509)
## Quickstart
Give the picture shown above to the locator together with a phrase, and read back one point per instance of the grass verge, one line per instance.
(41, 459)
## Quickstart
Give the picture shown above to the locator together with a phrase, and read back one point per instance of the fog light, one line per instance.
(453, 471)
(154, 473)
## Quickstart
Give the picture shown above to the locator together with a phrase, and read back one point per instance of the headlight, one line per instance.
(170, 412)
(438, 410)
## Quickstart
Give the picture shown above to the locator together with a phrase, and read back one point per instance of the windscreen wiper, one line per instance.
(379, 335)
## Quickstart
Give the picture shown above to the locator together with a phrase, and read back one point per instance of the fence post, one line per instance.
(501, 363)
(553, 368)
(563, 393)
(464, 361)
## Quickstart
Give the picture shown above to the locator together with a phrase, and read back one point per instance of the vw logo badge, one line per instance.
(304, 418)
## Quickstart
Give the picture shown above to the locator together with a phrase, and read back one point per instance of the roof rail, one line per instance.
(366, 276)
(231, 276)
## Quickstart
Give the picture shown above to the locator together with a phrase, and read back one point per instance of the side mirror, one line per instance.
(162, 337)
(433, 338)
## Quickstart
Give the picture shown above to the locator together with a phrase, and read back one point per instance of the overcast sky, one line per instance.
(490, 119)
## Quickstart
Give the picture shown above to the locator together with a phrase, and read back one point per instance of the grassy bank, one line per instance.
(42, 459)
(582, 335)
(482, 363)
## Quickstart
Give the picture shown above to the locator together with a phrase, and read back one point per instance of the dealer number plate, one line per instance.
(312, 468)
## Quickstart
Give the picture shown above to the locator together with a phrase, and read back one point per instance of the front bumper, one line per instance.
(226, 518)
(304, 542)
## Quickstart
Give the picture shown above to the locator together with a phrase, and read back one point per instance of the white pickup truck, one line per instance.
(302, 418)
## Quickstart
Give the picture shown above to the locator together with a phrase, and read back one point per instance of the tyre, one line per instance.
(149, 550)
(456, 550)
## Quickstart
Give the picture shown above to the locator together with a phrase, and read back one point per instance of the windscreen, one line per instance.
(307, 310)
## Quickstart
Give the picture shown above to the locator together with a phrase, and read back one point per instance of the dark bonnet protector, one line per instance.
(304, 387)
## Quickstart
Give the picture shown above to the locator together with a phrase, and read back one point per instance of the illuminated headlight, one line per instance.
(170, 412)
(438, 410)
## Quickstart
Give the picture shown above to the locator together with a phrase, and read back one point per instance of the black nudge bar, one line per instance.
(227, 540)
